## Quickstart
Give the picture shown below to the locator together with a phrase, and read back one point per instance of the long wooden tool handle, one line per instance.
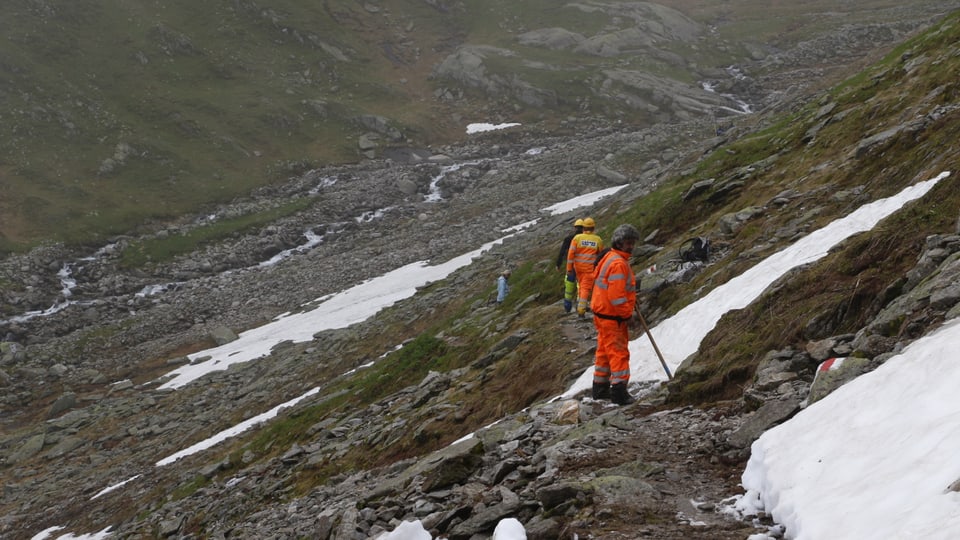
(652, 342)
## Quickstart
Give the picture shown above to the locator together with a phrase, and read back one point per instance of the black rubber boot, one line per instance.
(601, 391)
(619, 394)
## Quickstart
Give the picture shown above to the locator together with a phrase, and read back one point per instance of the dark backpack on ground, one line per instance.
(695, 249)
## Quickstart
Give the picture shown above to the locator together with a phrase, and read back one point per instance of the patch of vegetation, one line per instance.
(838, 295)
(97, 336)
(167, 111)
(412, 362)
(530, 279)
(842, 292)
(157, 250)
(406, 366)
(662, 209)
(189, 488)
(291, 427)
(7, 247)
(463, 337)
(488, 18)
(175, 107)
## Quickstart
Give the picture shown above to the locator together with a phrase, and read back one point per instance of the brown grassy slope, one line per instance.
(842, 292)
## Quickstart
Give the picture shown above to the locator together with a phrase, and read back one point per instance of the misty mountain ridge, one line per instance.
(149, 112)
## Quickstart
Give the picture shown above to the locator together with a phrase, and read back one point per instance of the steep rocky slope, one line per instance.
(82, 410)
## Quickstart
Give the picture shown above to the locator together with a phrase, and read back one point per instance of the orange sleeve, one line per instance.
(622, 288)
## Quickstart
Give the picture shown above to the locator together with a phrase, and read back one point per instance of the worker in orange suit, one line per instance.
(614, 300)
(582, 260)
(570, 280)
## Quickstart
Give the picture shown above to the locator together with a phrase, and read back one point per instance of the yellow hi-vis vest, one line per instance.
(582, 255)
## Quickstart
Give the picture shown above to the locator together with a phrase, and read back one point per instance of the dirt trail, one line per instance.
(680, 455)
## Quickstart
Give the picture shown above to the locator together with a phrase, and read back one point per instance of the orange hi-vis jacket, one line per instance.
(582, 254)
(614, 287)
(614, 297)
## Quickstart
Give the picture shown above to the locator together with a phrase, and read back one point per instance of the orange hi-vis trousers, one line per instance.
(582, 258)
(612, 360)
(585, 286)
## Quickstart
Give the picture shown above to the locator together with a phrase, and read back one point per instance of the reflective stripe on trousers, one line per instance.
(570, 288)
(601, 375)
(613, 353)
(585, 283)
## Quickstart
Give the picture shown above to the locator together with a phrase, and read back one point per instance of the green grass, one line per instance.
(839, 294)
(529, 279)
(161, 249)
(486, 20)
(403, 367)
(209, 99)
(406, 366)
(189, 488)
(213, 99)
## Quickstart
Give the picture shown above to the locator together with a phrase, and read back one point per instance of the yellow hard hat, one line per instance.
(589, 223)
(578, 223)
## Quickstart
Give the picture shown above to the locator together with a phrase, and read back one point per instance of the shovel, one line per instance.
(646, 329)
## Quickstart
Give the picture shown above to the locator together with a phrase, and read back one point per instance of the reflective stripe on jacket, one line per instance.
(615, 287)
(582, 255)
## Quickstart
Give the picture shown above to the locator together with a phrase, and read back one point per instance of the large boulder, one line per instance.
(834, 373)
